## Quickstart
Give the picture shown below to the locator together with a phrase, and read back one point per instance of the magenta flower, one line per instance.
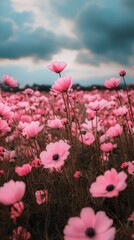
(55, 154)
(23, 170)
(122, 73)
(41, 196)
(57, 67)
(109, 184)
(62, 84)
(9, 81)
(76, 175)
(90, 226)
(112, 83)
(12, 192)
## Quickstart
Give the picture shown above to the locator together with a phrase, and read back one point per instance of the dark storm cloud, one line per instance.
(17, 40)
(6, 29)
(40, 44)
(106, 29)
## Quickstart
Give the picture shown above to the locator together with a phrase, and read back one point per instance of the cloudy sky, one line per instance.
(94, 37)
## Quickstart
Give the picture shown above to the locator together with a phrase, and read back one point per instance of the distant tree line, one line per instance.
(47, 88)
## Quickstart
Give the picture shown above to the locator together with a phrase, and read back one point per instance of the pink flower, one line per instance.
(55, 154)
(55, 123)
(41, 196)
(20, 233)
(62, 84)
(121, 111)
(12, 192)
(24, 170)
(106, 147)
(131, 168)
(5, 111)
(57, 67)
(87, 138)
(4, 128)
(32, 129)
(2, 172)
(97, 105)
(109, 184)
(76, 174)
(36, 163)
(89, 226)
(16, 210)
(114, 131)
(10, 81)
(122, 73)
(131, 218)
(124, 165)
(112, 83)
(28, 91)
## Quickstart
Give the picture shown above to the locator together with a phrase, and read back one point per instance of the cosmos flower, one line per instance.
(109, 184)
(32, 129)
(87, 138)
(41, 196)
(55, 154)
(20, 233)
(112, 83)
(114, 131)
(89, 226)
(57, 67)
(62, 84)
(12, 192)
(16, 210)
(24, 169)
(9, 81)
(107, 147)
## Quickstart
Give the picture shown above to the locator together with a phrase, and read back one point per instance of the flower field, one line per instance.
(67, 161)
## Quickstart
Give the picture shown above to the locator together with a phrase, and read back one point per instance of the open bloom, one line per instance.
(12, 192)
(55, 123)
(89, 226)
(55, 154)
(112, 83)
(97, 105)
(57, 67)
(32, 129)
(10, 81)
(109, 184)
(62, 84)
